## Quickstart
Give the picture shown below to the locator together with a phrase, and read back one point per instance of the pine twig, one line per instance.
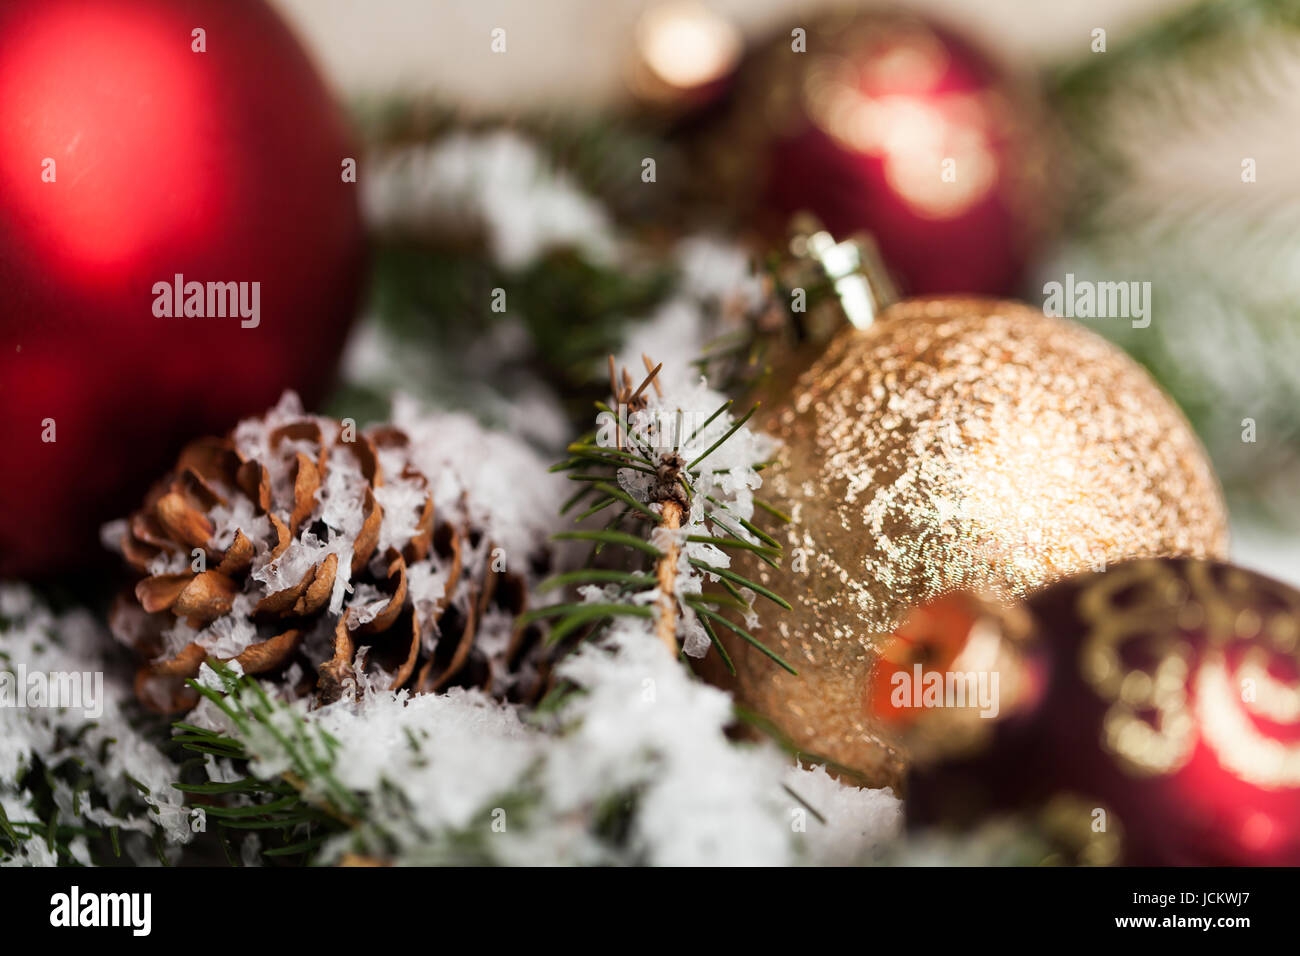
(666, 575)
(659, 525)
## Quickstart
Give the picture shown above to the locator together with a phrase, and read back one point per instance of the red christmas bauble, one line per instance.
(141, 141)
(1154, 708)
(881, 122)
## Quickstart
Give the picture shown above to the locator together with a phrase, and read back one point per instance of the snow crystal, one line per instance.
(844, 825)
(714, 269)
(427, 585)
(112, 533)
(289, 568)
(230, 635)
(483, 479)
(109, 748)
(367, 602)
(716, 278)
(402, 502)
(498, 182)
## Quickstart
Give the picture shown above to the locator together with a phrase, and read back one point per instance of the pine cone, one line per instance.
(311, 553)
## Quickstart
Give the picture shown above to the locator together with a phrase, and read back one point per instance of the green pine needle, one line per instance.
(631, 502)
(736, 542)
(700, 608)
(743, 581)
(596, 576)
(719, 646)
(598, 507)
(612, 538)
(779, 515)
(735, 427)
(709, 421)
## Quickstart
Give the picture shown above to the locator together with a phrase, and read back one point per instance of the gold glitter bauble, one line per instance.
(954, 444)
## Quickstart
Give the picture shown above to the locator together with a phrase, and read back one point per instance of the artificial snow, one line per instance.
(106, 746)
(459, 777)
(497, 183)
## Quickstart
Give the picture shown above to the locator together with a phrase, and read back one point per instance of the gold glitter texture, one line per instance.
(957, 443)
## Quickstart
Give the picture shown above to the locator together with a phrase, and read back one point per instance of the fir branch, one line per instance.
(1173, 39)
(650, 463)
(294, 812)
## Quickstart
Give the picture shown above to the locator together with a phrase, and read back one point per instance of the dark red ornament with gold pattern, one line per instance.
(1157, 702)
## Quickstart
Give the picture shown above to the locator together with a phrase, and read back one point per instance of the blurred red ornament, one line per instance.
(142, 140)
(884, 123)
(1160, 698)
